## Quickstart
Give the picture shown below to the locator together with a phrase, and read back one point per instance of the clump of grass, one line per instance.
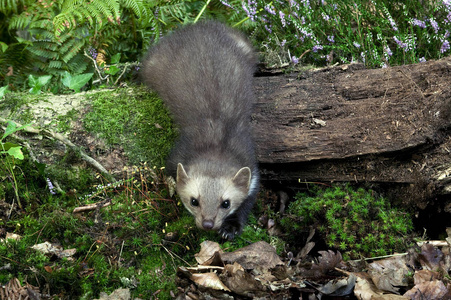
(356, 222)
(378, 33)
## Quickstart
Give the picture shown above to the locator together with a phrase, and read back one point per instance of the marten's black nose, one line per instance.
(208, 224)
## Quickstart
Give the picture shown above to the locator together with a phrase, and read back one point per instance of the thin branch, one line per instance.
(67, 142)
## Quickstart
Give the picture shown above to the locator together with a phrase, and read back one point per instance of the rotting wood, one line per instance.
(348, 123)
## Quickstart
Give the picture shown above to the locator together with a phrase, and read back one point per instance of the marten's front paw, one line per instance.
(230, 229)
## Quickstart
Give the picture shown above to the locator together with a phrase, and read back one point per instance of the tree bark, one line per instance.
(347, 123)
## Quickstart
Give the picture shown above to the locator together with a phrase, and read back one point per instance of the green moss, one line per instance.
(134, 119)
(356, 222)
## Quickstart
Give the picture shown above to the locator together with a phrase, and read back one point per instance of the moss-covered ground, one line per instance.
(140, 239)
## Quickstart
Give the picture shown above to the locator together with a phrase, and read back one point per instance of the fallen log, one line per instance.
(348, 123)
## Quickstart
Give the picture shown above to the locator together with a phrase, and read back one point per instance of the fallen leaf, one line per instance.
(118, 294)
(239, 281)
(430, 257)
(256, 254)
(53, 249)
(327, 261)
(339, 287)
(428, 290)
(209, 280)
(207, 253)
(365, 290)
(389, 274)
(424, 276)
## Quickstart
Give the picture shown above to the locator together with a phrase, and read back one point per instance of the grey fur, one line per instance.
(204, 74)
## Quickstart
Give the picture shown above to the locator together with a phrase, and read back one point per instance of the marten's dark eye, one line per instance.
(194, 202)
(225, 204)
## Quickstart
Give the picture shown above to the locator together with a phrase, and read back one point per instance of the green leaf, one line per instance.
(66, 79)
(75, 82)
(16, 152)
(12, 127)
(112, 70)
(43, 80)
(3, 91)
(6, 146)
(31, 81)
(115, 58)
(37, 83)
(4, 46)
(24, 41)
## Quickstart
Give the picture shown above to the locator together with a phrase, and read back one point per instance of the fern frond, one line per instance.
(55, 64)
(8, 7)
(42, 52)
(73, 51)
(78, 12)
(78, 64)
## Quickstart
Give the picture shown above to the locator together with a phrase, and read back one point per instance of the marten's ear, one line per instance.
(242, 179)
(182, 177)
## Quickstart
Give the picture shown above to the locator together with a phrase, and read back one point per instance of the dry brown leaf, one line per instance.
(339, 287)
(54, 249)
(429, 290)
(241, 282)
(424, 276)
(207, 252)
(389, 274)
(327, 262)
(256, 254)
(209, 280)
(430, 257)
(364, 290)
(118, 294)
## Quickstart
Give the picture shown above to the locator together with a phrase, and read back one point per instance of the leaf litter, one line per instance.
(256, 271)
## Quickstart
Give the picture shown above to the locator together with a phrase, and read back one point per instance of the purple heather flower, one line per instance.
(250, 9)
(422, 59)
(227, 4)
(400, 43)
(418, 23)
(357, 45)
(445, 46)
(282, 18)
(294, 60)
(388, 51)
(331, 38)
(316, 48)
(270, 10)
(306, 3)
(325, 16)
(434, 25)
(268, 28)
(51, 187)
(393, 23)
(283, 43)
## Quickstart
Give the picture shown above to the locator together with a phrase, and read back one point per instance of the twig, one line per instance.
(68, 143)
(92, 206)
(381, 257)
